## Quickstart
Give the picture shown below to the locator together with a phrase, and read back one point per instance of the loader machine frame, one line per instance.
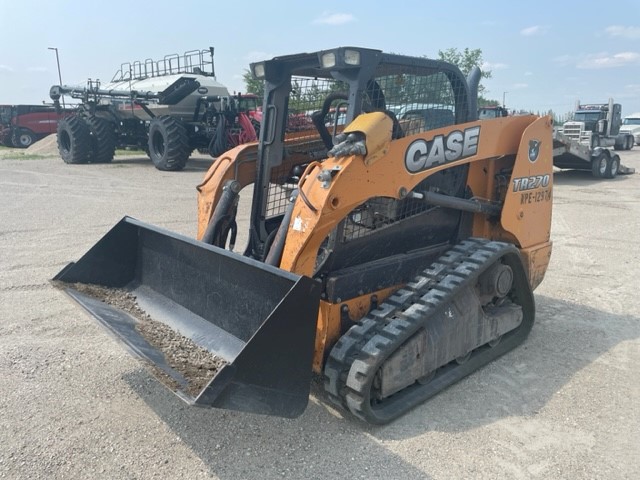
(391, 256)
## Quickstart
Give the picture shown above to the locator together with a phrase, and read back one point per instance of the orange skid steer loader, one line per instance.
(393, 245)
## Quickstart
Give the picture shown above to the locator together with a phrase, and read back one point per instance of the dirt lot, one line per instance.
(75, 405)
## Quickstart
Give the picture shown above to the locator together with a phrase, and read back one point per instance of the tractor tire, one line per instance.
(630, 142)
(23, 139)
(103, 139)
(74, 140)
(613, 166)
(599, 165)
(169, 147)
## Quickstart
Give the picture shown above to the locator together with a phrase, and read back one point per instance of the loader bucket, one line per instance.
(258, 319)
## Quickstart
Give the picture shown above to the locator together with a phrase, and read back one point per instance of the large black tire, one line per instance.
(630, 142)
(599, 165)
(168, 143)
(103, 139)
(74, 139)
(613, 165)
(23, 138)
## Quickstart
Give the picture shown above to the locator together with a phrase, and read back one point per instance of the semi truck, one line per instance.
(631, 125)
(584, 142)
(598, 125)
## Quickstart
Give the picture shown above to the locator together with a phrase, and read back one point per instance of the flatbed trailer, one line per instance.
(602, 162)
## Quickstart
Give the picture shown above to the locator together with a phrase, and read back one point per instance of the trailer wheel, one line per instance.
(103, 139)
(168, 143)
(599, 165)
(613, 165)
(630, 142)
(74, 139)
(23, 139)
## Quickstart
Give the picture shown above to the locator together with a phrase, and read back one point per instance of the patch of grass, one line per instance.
(13, 155)
(126, 151)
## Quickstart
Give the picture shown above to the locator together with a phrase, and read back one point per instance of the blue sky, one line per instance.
(543, 55)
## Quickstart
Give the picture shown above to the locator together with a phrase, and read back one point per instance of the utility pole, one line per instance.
(59, 74)
(503, 98)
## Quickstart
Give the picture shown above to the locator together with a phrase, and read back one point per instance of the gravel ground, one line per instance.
(76, 405)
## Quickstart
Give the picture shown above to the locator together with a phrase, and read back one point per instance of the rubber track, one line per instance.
(359, 353)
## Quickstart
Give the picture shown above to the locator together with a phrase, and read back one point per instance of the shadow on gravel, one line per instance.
(566, 338)
(582, 177)
(235, 445)
(198, 163)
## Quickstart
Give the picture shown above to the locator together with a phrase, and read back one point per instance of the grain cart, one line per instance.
(389, 256)
(168, 108)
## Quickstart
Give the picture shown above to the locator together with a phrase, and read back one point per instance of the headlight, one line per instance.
(258, 70)
(352, 57)
(328, 60)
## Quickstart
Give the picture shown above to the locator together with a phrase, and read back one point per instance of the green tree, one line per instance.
(465, 61)
(486, 102)
(252, 85)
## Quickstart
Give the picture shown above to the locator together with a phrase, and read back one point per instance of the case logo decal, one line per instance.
(426, 154)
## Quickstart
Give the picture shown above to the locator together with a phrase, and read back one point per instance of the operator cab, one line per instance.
(336, 86)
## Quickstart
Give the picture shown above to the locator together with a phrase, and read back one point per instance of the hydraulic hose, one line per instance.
(224, 214)
(277, 247)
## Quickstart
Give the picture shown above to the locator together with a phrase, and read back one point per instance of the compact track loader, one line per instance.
(393, 246)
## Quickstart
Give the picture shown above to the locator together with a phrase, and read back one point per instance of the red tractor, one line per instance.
(493, 111)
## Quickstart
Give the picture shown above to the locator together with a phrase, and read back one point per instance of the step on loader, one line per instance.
(393, 245)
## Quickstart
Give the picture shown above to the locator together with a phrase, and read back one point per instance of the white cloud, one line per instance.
(256, 56)
(605, 60)
(563, 59)
(534, 30)
(334, 18)
(5, 69)
(632, 33)
(528, 74)
(517, 86)
(493, 66)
